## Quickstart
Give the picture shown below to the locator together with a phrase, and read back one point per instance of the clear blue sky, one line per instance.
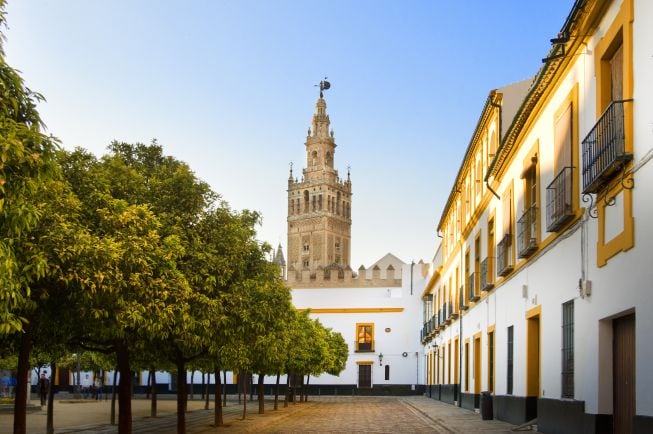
(227, 86)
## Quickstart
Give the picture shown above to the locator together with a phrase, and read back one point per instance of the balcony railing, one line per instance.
(445, 316)
(504, 255)
(604, 151)
(527, 232)
(463, 303)
(559, 200)
(471, 286)
(485, 284)
(364, 347)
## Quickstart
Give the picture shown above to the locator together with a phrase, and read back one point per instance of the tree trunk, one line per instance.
(49, 426)
(20, 399)
(239, 386)
(245, 377)
(149, 381)
(217, 421)
(181, 394)
(113, 397)
(261, 396)
(192, 385)
(276, 393)
(206, 390)
(285, 395)
(153, 403)
(302, 391)
(124, 389)
(224, 402)
(250, 382)
(308, 379)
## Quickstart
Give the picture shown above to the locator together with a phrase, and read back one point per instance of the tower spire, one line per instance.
(319, 206)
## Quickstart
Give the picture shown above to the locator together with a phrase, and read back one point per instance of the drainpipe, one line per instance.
(487, 183)
(460, 337)
(460, 362)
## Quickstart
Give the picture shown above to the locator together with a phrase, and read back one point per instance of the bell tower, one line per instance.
(319, 205)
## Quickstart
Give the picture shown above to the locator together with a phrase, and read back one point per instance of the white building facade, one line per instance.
(541, 295)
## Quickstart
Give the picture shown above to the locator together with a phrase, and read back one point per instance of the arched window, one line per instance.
(329, 159)
(314, 157)
(338, 204)
(305, 200)
(319, 202)
(313, 201)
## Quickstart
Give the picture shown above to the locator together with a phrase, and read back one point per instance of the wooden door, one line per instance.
(477, 366)
(364, 375)
(533, 357)
(623, 376)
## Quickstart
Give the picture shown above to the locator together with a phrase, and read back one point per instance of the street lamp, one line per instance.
(380, 359)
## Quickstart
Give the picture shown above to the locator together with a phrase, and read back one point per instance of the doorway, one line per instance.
(365, 376)
(623, 374)
(533, 355)
(477, 365)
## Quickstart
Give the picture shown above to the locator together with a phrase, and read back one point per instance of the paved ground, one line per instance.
(320, 414)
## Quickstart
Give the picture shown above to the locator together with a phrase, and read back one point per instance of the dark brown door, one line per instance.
(64, 377)
(623, 353)
(364, 375)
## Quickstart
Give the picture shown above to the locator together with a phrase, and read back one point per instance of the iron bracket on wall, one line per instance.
(627, 183)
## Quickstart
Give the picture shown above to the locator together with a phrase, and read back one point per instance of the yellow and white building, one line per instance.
(540, 291)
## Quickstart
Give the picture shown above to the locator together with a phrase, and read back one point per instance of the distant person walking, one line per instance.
(98, 388)
(44, 387)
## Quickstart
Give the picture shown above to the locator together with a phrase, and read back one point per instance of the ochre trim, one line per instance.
(364, 362)
(432, 281)
(571, 100)
(490, 329)
(477, 335)
(621, 242)
(537, 310)
(357, 310)
(533, 352)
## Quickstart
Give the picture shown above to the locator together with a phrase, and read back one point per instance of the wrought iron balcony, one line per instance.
(463, 303)
(485, 284)
(527, 232)
(364, 347)
(504, 256)
(445, 315)
(604, 153)
(559, 200)
(471, 286)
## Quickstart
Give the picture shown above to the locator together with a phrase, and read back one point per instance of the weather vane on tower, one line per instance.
(324, 85)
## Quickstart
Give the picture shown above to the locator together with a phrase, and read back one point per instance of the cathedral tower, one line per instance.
(319, 205)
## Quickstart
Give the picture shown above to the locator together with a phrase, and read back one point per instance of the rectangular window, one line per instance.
(527, 225)
(568, 349)
(490, 251)
(505, 246)
(365, 337)
(387, 372)
(560, 192)
(510, 359)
